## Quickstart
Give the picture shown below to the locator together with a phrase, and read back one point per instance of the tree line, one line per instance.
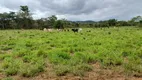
(23, 20)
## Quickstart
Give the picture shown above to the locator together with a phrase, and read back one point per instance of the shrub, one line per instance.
(3, 56)
(110, 59)
(12, 70)
(41, 53)
(6, 48)
(134, 65)
(84, 57)
(80, 69)
(58, 57)
(8, 78)
(21, 53)
(10, 66)
(61, 70)
(30, 70)
(27, 58)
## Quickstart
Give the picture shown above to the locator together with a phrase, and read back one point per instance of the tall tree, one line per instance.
(24, 17)
(52, 21)
(59, 24)
(4, 20)
(136, 19)
(112, 22)
(24, 12)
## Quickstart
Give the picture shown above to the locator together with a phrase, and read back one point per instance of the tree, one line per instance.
(24, 12)
(112, 22)
(77, 25)
(59, 24)
(140, 23)
(24, 17)
(136, 19)
(122, 23)
(4, 20)
(52, 20)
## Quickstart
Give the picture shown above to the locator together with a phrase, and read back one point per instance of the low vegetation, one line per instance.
(29, 52)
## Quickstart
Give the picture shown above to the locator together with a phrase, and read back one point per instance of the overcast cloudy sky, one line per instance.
(78, 9)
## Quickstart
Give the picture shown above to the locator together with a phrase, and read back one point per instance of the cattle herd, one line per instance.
(74, 30)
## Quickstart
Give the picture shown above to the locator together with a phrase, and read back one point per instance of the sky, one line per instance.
(77, 10)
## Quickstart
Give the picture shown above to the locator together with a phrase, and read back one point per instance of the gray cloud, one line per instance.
(78, 9)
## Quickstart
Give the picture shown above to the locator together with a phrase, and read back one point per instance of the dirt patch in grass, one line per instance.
(6, 51)
(97, 73)
(1, 76)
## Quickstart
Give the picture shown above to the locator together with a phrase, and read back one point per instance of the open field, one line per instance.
(98, 54)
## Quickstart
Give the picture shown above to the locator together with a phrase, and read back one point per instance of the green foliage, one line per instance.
(62, 70)
(140, 23)
(23, 20)
(80, 69)
(52, 21)
(41, 53)
(59, 24)
(112, 22)
(29, 70)
(58, 57)
(8, 78)
(10, 66)
(108, 59)
(30, 52)
(133, 66)
(84, 57)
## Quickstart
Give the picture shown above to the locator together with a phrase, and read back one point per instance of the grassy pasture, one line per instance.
(28, 53)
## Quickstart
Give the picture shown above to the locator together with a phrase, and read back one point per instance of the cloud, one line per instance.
(78, 9)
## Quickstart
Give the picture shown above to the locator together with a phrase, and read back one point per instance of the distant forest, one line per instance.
(23, 20)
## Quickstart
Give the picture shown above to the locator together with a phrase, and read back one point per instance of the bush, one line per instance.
(58, 57)
(11, 66)
(8, 78)
(29, 44)
(80, 69)
(110, 59)
(21, 53)
(12, 70)
(84, 57)
(3, 56)
(61, 70)
(41, 53)
(30, 70)
(133, 66)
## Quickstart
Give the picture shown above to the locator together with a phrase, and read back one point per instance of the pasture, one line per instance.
(100, 53)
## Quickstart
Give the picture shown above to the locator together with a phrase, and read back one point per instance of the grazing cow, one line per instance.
(80, 29)
(44, 29)
(59, 30)
(49, 30)
(75, 30)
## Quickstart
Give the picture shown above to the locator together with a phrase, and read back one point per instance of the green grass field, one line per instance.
(27, 53)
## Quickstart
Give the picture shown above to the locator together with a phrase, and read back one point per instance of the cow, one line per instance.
(44, 29)
(75, 30)
(80, 29)
(49, 30)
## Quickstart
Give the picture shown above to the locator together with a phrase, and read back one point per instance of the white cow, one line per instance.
(44, 29)
(80, 29)
(49, 30)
